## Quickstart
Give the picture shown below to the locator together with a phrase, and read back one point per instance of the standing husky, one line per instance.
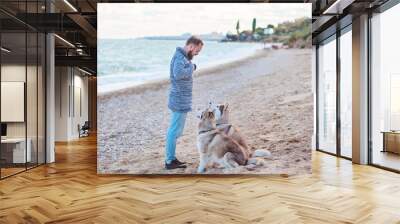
(216, 147)
(222, 121)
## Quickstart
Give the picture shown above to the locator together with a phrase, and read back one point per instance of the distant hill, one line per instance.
(296, 33)
(210, 37)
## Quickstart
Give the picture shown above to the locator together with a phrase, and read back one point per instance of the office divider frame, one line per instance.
(342, 26)
(44, 94)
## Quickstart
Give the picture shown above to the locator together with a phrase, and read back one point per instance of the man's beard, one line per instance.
(190, 55)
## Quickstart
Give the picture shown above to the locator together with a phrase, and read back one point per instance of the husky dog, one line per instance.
(223, 124)
(216, 147)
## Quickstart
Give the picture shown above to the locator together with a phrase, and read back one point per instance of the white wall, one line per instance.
(50, 94)
(34, 124)
(62, 82)
(70, 83)
(12, 73)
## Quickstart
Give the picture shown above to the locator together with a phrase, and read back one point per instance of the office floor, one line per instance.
(70, 191)
(10, 170)
(387, 159)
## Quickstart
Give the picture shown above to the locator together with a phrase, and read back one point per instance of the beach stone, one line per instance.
(254, 89)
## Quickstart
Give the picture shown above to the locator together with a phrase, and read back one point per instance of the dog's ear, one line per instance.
(211, 115)
(221, 108)
(226, 106)
(199, 112)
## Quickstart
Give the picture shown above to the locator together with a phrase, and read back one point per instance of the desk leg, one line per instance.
(384, 143)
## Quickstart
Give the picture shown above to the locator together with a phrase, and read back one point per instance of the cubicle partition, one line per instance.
(22, 93)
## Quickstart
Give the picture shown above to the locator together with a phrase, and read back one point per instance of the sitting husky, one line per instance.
(216, 147)
(222, 120)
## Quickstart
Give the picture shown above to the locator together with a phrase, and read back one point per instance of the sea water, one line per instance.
(124, 63)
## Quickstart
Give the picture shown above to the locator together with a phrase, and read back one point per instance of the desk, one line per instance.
(17, 150)
(391, 141)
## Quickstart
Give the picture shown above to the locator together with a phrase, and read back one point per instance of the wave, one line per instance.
(117, 69)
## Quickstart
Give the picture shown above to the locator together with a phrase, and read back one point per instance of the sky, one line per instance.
(133, 20)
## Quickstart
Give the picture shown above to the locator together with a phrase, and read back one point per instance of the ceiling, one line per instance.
(75, 22)
(330, 15)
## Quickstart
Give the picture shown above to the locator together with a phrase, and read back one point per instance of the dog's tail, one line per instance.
(257, 158)
(256, 161)
(261, 153)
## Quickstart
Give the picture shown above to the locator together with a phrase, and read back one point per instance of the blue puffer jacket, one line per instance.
(181, 71)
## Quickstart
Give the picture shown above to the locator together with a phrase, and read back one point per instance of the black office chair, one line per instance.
(84, 130)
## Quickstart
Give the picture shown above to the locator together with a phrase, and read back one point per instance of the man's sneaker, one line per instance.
(174, 165)
(178, 162)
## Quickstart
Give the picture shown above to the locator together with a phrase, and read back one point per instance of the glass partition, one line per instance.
(31, 100)
(32, 86)
(22, 77)
(13, 94)
(385, 89)
(41, 109)
(346, 93)
(327, 96)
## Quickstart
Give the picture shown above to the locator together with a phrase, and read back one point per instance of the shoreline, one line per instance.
(158, 83)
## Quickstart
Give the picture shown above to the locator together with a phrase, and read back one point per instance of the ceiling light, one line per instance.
(79, 51)
(86, 72)
(338, 6)
(64, 40)
(70, 5)
(5, 49)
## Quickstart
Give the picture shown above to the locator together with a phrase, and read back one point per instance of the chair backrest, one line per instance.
(86, 125)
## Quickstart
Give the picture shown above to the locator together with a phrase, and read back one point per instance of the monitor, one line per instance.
(3, 129)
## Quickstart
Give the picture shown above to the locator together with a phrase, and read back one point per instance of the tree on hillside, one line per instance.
(260, 31)
(254, 25)
(237, 28)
